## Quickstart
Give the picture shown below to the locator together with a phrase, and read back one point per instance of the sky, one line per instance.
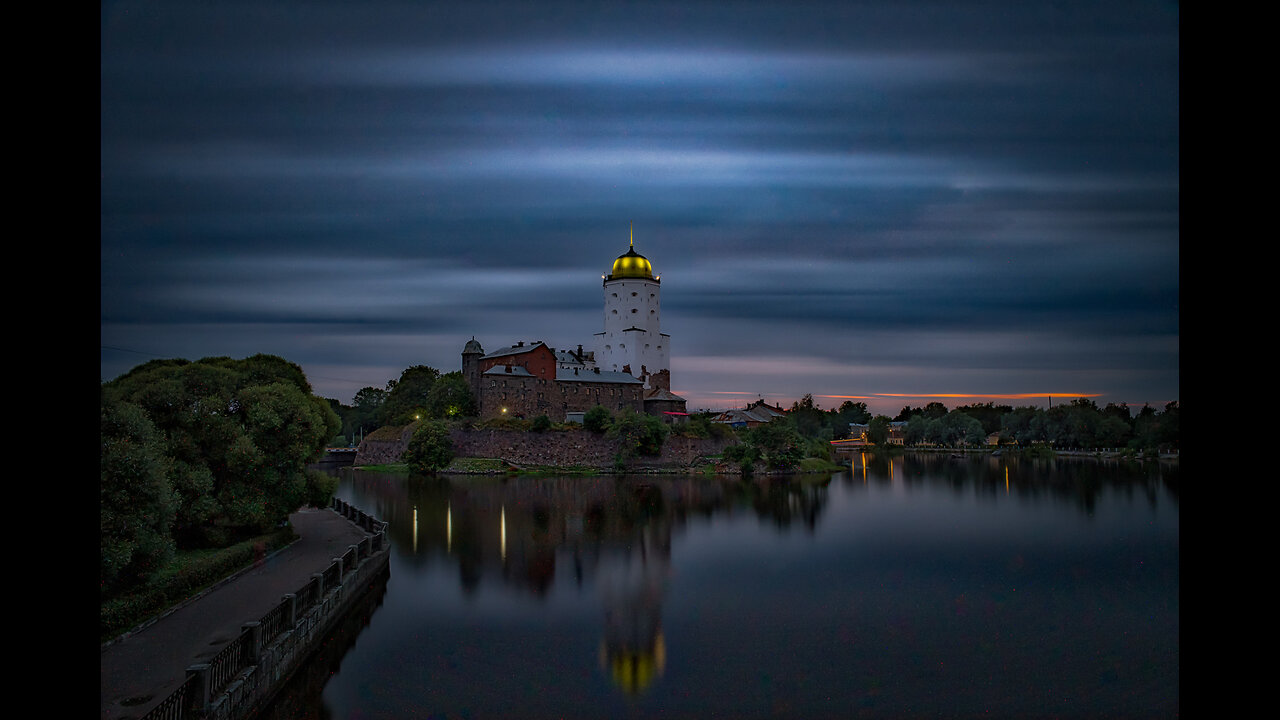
(884, 202)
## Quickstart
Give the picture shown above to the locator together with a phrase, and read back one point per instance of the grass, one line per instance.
(818, 465)
(470, 465)
(188, 574)
(388, 468)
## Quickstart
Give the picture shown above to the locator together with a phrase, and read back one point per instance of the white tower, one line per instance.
(632, 340)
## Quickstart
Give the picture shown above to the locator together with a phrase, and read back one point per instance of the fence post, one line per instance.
(254, 632)
(319, 578)
(198, 700)
(291, 610)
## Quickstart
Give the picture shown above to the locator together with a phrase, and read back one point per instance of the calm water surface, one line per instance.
(920, 586)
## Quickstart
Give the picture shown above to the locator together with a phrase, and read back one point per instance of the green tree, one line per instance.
(778, 443)
(366, 411)
(450, 396)
(1169, 422)
(853, 411)
(237, 435)
(916, 429)
(542, 423)
(638, 433)
(430, 448)
(137, 504)
(957, 428)
(878, 430)
(408, 398)
(989, 414)
(809, 419)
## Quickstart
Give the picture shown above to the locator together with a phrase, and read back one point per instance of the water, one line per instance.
(917, 586)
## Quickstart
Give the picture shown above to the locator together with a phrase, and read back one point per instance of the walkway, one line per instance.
(152, 663)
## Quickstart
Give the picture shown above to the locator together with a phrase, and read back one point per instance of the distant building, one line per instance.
(753, 415)
(627, 370)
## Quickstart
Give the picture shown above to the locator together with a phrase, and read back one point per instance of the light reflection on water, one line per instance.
(917, 585)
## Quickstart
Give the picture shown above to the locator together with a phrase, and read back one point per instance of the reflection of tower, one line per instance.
(632, 581)
(632, 340)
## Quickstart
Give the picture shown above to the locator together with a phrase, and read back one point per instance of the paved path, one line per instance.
(153, 662)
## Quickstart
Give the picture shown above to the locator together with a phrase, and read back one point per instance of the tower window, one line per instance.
(633, 310)
(633, 294)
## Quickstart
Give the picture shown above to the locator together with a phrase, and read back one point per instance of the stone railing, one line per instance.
(244, 675)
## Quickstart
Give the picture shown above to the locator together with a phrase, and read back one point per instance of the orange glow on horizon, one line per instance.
(1009, 396)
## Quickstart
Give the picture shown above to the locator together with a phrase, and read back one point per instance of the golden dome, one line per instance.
(631, 265)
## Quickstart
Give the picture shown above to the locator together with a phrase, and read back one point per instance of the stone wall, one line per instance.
(575, 447)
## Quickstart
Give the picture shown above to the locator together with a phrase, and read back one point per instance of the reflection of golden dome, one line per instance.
(631, 264)
(635, 671)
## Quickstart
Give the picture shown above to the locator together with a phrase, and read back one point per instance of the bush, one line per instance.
(638, 434)
(597, 419)
(320, 487)
(430, 448)
(542, 423)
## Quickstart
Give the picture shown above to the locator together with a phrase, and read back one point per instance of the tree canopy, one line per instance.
(235, 437)
(430, 448)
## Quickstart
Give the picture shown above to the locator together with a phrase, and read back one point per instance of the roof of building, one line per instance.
(514, 350)
(604, 376)
(572, 356)
(473, 346)
(663, 394)
(513, 370)
(759, 412)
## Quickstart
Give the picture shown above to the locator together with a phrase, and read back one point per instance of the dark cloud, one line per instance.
(800, 174)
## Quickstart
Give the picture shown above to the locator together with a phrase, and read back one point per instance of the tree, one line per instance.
(853, 412)
(809, 419)
(989, 414)
(638, 433)
(430, 447)
(136, 502)
(778, 443)
(408, 398)
(935, 409)
(957, 428)
(450, 396)
(366, 410)
(237, 436)
(878, 430)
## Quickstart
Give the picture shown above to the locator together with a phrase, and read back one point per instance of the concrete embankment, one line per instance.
(224, 653)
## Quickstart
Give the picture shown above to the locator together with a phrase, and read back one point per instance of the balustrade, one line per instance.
(206, 680)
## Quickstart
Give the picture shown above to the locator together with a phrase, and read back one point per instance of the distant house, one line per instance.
(753, 415)
(858, 433)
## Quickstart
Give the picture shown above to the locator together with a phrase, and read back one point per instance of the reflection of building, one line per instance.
(632, 583)
(628, 369)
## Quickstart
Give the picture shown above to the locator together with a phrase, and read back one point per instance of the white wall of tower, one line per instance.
(632, 327)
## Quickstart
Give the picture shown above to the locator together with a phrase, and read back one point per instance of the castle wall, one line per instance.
(562, 448)
(529, 397)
